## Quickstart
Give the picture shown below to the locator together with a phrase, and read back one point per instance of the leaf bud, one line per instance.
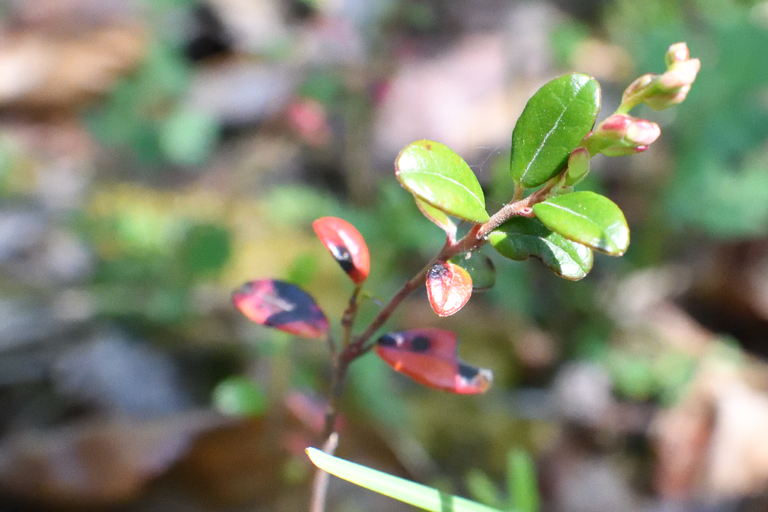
(678, 52)
(578, 166)
(638, 86)
(673, 86)
(622, 134)
(670, 88)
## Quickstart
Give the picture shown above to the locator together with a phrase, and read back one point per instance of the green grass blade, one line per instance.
(400, 489)
(523, 489)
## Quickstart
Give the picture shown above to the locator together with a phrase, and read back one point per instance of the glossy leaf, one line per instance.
(281, 305)
(586, 218)
(429, 357)
(347, 246)
(479, 267)
(552, 124)
(520, 238)
(449, 287)
(438, 217)
(420, 496)
(436, 175)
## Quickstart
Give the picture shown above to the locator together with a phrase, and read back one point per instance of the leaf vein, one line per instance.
(546, 137)
(573, 213)
(442, 176)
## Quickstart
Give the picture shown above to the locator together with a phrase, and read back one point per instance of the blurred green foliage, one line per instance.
(720, 185)
(240, 396)
(146, 115)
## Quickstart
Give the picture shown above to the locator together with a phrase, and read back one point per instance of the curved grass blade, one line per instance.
(418, 495)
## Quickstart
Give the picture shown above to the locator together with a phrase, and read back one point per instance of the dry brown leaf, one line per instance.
(42, 72)
(97, 463)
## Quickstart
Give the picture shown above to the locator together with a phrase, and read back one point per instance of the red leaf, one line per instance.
(428, 356)
(449, 287)
(281, 305)
(346, 244)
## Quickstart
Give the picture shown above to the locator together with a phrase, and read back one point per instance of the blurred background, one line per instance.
(155, 154)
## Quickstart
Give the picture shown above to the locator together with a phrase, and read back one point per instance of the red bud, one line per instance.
(622, 134)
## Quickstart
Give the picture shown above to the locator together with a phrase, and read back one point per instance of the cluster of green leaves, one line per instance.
(565, 226)
(146, 114)
(552, 142)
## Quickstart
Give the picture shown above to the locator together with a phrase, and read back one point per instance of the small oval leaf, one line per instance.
(428, 356)
(587, 218)
(438, 217)
(449, 287)
(520, 238)
(347, 246)
(281, 305)
(436, 175)
(552, 124)
(479, 267)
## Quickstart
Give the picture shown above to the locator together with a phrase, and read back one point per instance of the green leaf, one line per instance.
(188, 137)
(240, 396)
(400, 489)
(552, 124)
(480, 486)
(523, 489)
(438, 217)
(586, 218)
(480, 268)
(520, 238)
(206, 249)
(436, 175)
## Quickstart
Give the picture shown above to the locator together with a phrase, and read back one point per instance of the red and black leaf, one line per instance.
(347, 246)
(449, 287)
(429, 357)
(281, 305)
